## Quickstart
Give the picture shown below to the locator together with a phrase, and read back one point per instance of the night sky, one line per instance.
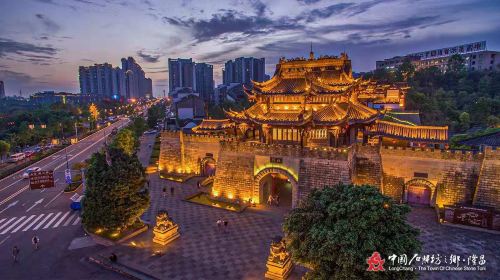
(42, 42)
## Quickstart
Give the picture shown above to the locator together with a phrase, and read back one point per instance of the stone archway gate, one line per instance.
(259, 176)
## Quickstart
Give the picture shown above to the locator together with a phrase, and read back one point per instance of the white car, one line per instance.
(26, 173)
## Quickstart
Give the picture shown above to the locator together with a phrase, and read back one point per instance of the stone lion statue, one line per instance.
(277, 252)
(163, 221)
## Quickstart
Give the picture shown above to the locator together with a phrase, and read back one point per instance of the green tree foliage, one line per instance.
(138, 126)
(441, 98)
(114, 197)
(405, 71)
(4, 149)
(335, 229)
(126, 140)
(155, 113)
(456, 64)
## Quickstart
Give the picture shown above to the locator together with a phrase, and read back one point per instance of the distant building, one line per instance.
(180, 73)
(190, 107)
(204, 80)
(2, 90)
(51, 97)
(180, 93)
(96, 79)
(184, 73)
(244, 70)
(108, 82)
(232, 92)
(136, 83)
(475, 55)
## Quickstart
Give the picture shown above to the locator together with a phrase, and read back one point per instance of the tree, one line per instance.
(335, 229)
(406, 70)
(126, 140)
(464, 121)
(4, 149)
(138, 126)
(94, 113)
(114, 198)
(456, 64)
(155, 113)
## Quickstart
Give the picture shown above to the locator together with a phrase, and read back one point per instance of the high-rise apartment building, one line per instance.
(137, 85)
(184, 73)
(2, 90)
(204, 80)
(180, 73)
(106, 81)
(97, 79)
(243, 70)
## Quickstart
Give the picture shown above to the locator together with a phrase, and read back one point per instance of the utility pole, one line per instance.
(76, 131)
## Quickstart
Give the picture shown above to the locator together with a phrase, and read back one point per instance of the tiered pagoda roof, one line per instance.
(322, 93)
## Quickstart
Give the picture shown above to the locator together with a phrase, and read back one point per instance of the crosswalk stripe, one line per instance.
(13, 225)
(25, 222)
(61, 219)
(3, 220)
(6, 223)
(76, 221)
(32, 223)
(69, 220)
(51, 221)
(43, 221)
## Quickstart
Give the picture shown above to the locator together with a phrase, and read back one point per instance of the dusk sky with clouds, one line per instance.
(42, 42)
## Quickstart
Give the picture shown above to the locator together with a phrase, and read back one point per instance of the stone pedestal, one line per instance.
(165, 230)
(278, 271)
(279, 263)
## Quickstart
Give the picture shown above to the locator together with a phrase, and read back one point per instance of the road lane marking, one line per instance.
(1, 242)
(69, 220)
(9, 206)
(61, 219)
(25, 222)
(43, 221)
(26, 187)
(32, 223)
(51, 221)
(6, 223)
(13, 225)
(54, 198)
(11, 185)
(35, 204)
(116, 124)
(14, 194)
(76, 221)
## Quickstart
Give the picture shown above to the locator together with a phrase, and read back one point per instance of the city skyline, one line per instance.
(43, 42)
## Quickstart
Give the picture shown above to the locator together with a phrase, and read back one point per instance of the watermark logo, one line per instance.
(375, 262)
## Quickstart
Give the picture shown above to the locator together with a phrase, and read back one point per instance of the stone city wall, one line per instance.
(488, 188)
(366, 165)
(453, 173)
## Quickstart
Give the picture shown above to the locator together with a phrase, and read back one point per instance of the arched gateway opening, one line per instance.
(419, 192)
(278, 186)
(208, 167)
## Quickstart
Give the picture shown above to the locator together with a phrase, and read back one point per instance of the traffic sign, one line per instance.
(67, 176)
(41, 179)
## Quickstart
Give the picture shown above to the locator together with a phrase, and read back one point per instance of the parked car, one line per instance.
(26, 173)
(151, 131)
(17, 157)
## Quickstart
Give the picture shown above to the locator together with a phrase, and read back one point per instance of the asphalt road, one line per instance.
(46, 214)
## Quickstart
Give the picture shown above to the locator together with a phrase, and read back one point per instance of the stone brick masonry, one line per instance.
(452, 176)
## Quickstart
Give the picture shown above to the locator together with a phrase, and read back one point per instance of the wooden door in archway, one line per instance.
(419, 194)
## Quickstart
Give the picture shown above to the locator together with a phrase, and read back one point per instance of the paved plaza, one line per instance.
(204, 251)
